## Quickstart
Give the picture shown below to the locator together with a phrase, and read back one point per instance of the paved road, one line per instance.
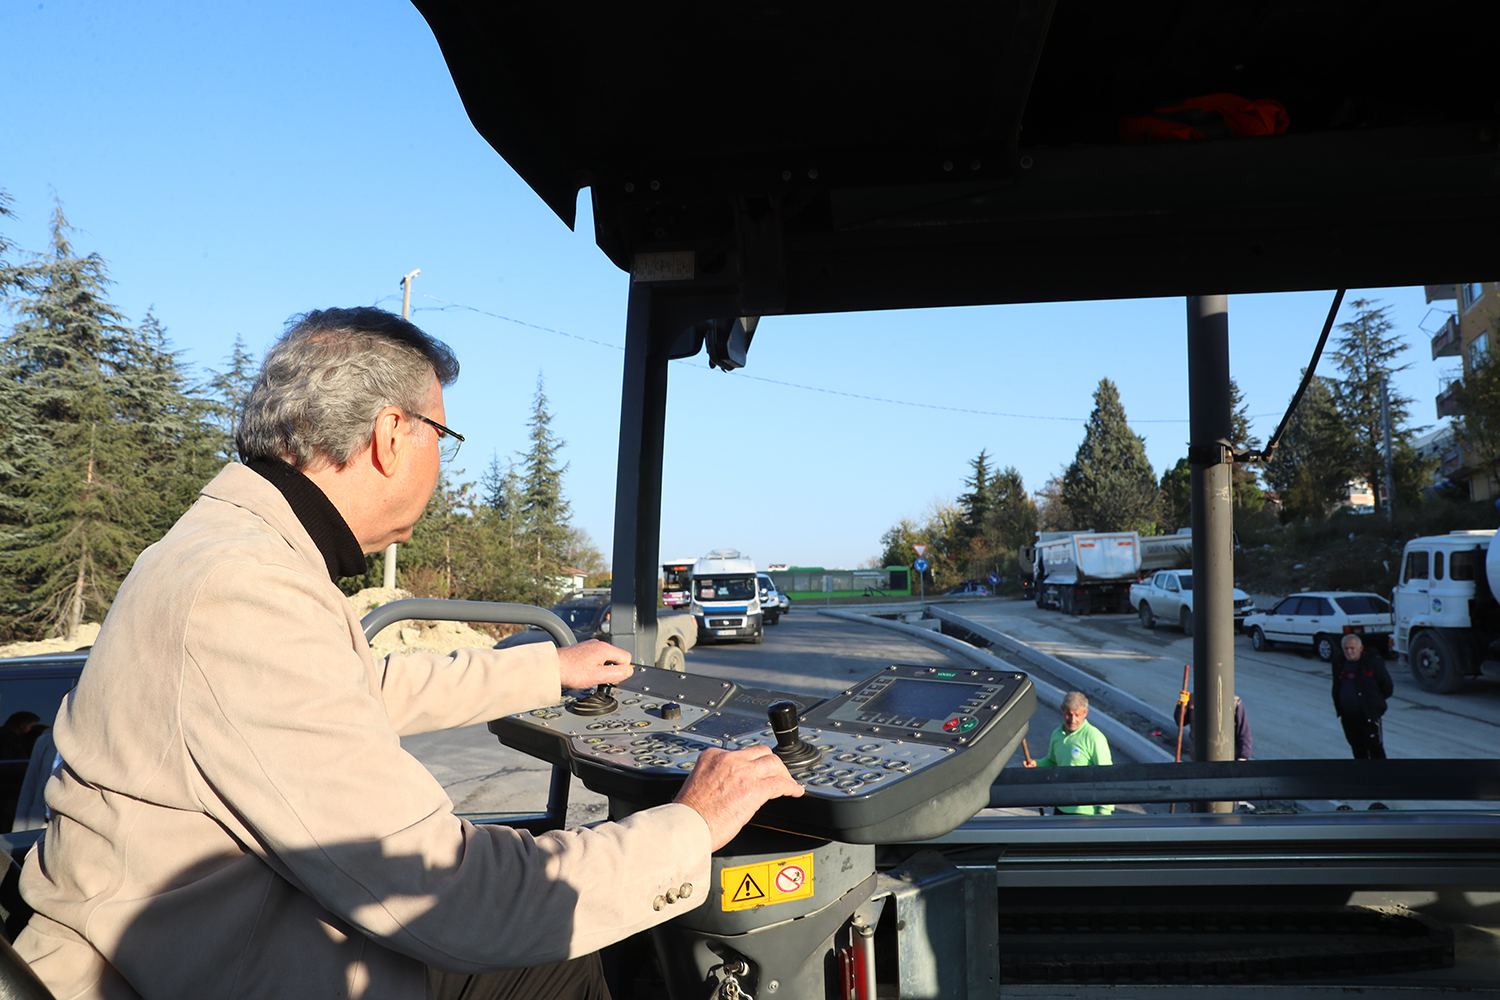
(1286, 692)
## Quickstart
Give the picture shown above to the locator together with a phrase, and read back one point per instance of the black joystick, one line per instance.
(793, 750)
(597, 702)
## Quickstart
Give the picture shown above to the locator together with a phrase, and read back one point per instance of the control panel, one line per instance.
(906, 754)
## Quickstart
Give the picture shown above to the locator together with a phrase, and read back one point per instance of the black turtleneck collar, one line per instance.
(329, 531)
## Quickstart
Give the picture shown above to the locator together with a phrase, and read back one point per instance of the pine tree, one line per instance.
(1248, 495)
(72, 513)
(1177, 497)
(1110, 486)
(227, 392)
(1477, 424)
(176, 424)
(1010, 522)
(10, 274)
(1313, 465)
(976, 503)
(1366, 350)
(543, 510)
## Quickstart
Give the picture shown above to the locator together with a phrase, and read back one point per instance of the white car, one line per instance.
(773, 603)
(1319, 620)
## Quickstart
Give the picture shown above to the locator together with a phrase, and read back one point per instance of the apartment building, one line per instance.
(1470, 335)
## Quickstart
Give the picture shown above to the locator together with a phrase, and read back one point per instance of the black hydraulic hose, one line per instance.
(1265, 454)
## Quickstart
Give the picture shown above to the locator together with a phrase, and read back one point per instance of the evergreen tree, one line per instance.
(177, 426)
(976, 503)
(1010, 522)
(1366, 351)
(1248, 496)
(90, 513)
(10, 274)
(1477, 424)
(1177, 497)
(72, 513)
(1110, 486)
(1314, 463)
(544, 511)
(227, 392)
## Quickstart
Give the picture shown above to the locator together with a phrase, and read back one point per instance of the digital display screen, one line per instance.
(921, 699)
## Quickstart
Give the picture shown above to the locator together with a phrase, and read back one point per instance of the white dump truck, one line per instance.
(725, 598)
(1167, 551)
(1087, 571)
(1446, 609)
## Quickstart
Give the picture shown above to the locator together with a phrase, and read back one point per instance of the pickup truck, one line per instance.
(1168, 596)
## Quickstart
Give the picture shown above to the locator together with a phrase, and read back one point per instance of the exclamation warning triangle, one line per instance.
(748, 890)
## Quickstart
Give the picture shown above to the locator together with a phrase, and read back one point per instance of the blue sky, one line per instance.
(237, 163)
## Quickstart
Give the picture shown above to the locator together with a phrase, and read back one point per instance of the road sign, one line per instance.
(921, 550)
(920, 565)
(994, 579)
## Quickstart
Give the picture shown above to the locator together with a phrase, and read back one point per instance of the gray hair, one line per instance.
(1074, 700)
(331, 373)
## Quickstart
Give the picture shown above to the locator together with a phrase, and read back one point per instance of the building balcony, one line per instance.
(1447, 402)
(1446, 343)
(1436, 292)
(1452, 462)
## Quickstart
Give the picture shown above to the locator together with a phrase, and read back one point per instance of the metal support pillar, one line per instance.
(1211, 456)
(643, 413)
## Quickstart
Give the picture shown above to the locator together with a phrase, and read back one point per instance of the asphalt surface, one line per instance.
(1287, 692)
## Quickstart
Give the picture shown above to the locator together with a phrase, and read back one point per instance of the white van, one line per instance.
(726, 598)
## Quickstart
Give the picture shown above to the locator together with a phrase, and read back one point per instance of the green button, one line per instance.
(967, 725)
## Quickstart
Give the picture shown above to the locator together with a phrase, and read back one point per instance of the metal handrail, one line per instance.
(492, 612)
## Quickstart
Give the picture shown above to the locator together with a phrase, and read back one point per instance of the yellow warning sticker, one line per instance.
(748, 886)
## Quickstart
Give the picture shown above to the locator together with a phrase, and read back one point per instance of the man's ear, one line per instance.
(390, 442)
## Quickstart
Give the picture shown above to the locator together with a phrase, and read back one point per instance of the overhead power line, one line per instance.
(740, 373)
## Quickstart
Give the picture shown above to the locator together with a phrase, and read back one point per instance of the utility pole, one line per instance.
(389, 579)
(1211, 455)
(1385, 431)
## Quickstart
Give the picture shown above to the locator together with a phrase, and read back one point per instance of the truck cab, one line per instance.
(1446, 615)
(726, 598)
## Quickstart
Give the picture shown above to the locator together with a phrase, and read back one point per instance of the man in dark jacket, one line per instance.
(1361, 685)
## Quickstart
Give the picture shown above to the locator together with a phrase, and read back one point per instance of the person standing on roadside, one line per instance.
(1361, 684)
(1076, 743)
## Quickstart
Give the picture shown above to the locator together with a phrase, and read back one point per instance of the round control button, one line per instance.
(842, 772)
(823, 780)
(896, 765)
(850, 783)
(868, 760)
(845, 756)
(868, 748)
(871, 776)
(803, 775)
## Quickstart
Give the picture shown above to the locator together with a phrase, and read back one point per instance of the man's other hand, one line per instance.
(727, 787)
(591, 663)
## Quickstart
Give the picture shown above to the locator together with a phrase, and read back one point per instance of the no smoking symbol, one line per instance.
(790, 879)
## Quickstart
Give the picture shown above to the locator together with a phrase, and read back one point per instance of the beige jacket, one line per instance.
(236, 817)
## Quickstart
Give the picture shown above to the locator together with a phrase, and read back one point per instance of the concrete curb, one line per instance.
(1118, 734)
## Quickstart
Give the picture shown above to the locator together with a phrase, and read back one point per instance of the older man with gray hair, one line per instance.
(1076, 743)
(235, 816)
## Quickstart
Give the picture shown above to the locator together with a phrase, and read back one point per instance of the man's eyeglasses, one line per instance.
(449, 440)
